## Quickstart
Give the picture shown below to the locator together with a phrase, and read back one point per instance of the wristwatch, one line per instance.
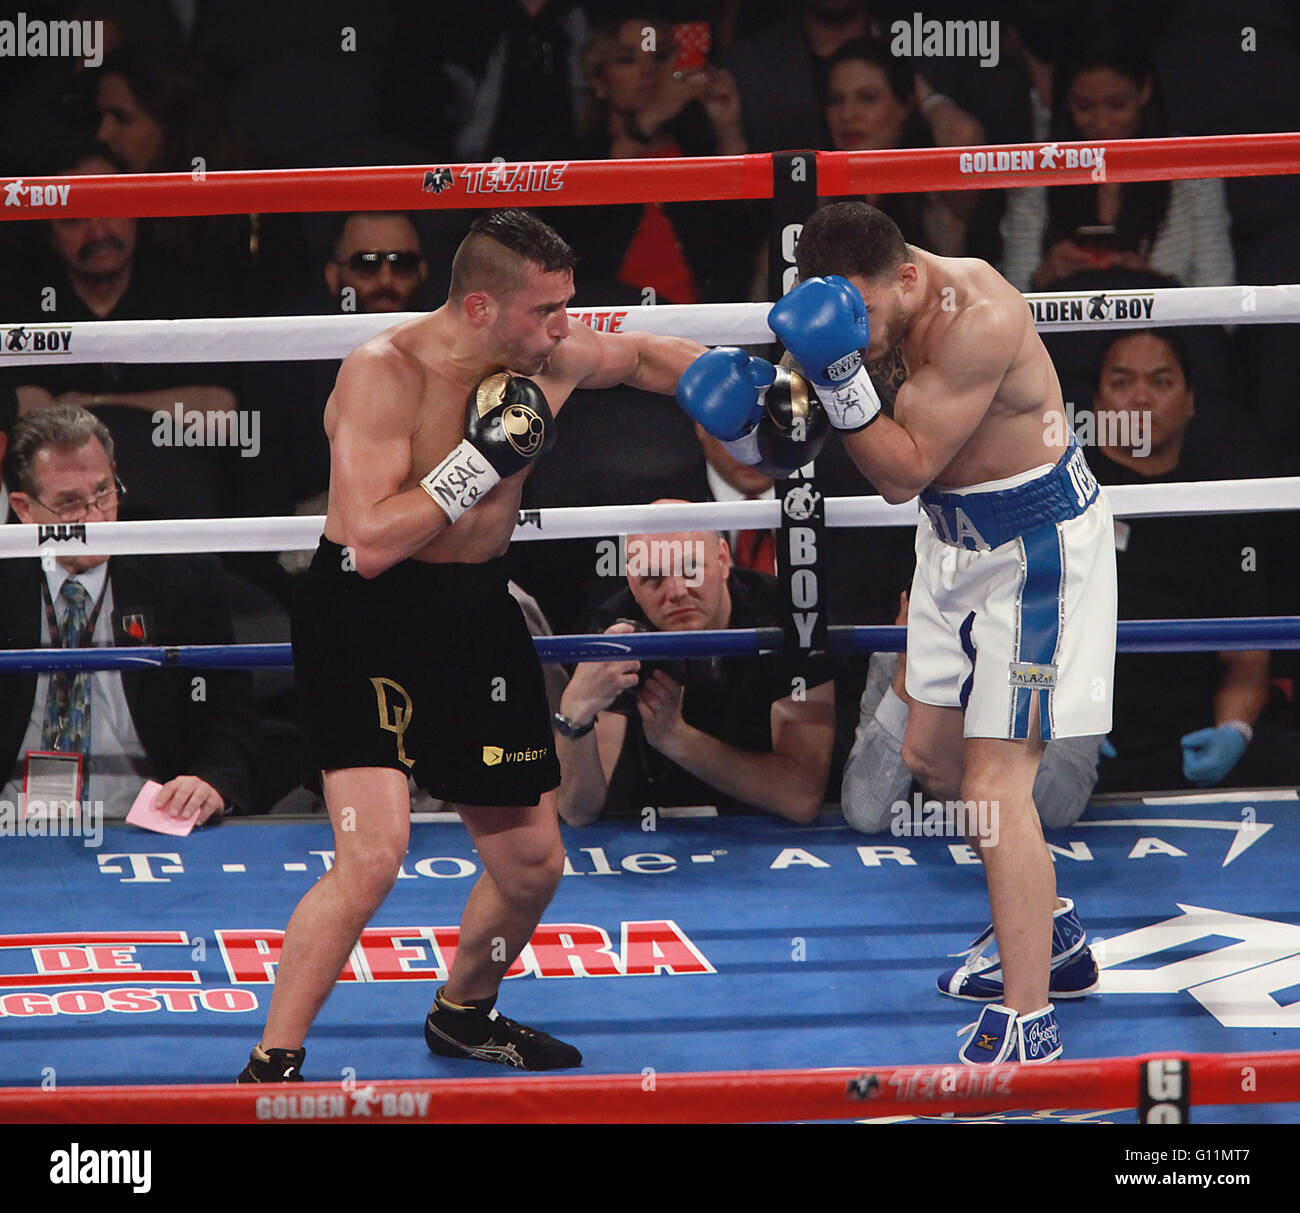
(567, 728)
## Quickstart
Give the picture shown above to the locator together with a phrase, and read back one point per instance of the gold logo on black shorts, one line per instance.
(495, 755)
(401, 714)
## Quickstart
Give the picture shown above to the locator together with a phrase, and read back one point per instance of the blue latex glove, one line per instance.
(1209, 754)
(1107, 750)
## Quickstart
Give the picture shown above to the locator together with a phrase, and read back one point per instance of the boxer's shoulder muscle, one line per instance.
(1002, 319)
(378, 383)
(992, 340)
(984, 330)
(965, 284)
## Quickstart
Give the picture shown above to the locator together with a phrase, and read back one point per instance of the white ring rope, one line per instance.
(304, 338)
(257, 339)
(284, 534)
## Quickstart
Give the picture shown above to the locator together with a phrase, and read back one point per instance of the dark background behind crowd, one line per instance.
(189, 85)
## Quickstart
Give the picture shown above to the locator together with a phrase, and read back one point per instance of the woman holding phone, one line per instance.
(652, 93)
(1179, 229)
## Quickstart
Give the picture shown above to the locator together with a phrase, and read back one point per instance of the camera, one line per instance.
(687, 672)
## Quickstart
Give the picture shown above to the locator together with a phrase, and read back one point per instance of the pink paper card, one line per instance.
(145, 815)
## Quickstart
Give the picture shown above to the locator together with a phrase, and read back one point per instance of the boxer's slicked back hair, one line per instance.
(851, 239)
(499, 245)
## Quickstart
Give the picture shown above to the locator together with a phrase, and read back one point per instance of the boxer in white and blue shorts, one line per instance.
(931, 369)
(1014, 599)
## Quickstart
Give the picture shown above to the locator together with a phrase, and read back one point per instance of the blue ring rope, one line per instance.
(1134, 636)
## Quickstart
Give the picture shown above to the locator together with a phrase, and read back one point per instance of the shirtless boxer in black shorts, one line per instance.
(405, 628)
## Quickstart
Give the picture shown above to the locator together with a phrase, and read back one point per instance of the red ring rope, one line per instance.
(650, 1098)
(586, 183)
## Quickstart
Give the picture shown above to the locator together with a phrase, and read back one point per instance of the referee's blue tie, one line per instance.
(67, 706)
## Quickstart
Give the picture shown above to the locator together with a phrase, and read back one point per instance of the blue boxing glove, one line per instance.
(1210, 754)
(722, 390)
(823, 323)
(765, 416)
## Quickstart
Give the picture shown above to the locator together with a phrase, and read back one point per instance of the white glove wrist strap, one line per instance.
(851, 404)
(460, 480)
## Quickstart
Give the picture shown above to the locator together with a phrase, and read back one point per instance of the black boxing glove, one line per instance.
(508, 425)
(789, 433)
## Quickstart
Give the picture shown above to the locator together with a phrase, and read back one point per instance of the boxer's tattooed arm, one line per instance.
(888, 376)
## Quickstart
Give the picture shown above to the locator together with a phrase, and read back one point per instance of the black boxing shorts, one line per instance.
(428, 669)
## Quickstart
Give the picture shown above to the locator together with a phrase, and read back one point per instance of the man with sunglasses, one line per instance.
(125, 727)
(378, 258)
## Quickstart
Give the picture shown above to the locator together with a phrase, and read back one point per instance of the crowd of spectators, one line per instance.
(194, 86)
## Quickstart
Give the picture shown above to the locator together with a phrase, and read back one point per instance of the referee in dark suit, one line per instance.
(190, 730)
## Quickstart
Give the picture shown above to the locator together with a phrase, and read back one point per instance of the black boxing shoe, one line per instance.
(480, 1032)
(273, 1065)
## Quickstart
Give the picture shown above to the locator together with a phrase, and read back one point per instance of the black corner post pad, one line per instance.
(800, 565)
(794, 198)
(801, 540)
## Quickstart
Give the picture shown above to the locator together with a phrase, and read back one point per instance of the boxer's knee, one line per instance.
(1000, 773)
(535, 875)
(915, 759)
(368, 870)
(520, 848)
(933, 749)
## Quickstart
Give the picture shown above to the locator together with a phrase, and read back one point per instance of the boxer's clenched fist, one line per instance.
(765, 416)
(508, 425)
(823, 323)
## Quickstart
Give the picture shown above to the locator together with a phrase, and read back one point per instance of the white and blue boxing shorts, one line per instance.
(1014, 600)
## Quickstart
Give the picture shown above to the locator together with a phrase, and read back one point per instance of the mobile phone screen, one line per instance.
(693, 40)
